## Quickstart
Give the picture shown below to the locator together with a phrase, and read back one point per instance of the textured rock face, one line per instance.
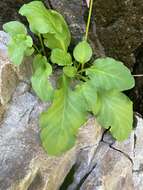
(114, 165)
(120, 28)
(23, 162)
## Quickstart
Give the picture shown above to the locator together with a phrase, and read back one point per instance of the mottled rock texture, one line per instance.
(23, 162)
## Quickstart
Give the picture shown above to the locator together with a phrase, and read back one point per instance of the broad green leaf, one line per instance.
(18, 47)
(38, 17)
(61, 38)
(82, 52)
(107, 73)
(51, 42)
(92, 98)
(43, 21)
(41, 61)
(70, 71)
(60, 124)
(29, 51)
(61, 57)
(40, 82)
(14, 27)
(116, 112)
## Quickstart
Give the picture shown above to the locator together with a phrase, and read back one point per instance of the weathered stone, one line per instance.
(4, 39)
(24, 71)
(8, 77)
(23, 162)
(138, 155)
(112, 170)
(120, 28)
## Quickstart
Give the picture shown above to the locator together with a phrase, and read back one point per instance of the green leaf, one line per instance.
(45, 21)
(60, 124)
(40, 82)
(107, 73)
(70, 71)
(61, 38)
(61, 57)
(82, 52)
(19, 47)
(116, 112)
(29, 51)
(14, 27)
(41, 61)
(51, 42)
(92, 98)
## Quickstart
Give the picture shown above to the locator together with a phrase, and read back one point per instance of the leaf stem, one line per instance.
(82, 77)
(89, 19)
(81, 71)
(36, 48)
(139, 75)
(41, 41)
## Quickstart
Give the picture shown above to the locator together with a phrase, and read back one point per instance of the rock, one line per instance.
(114, 165)
(120, 28)
(23, 162)
(112, 170)
(4, 39)
(24, 71)
(8, 77)
(138, 155)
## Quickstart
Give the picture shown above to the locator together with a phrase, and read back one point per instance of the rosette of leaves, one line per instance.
(84, 85)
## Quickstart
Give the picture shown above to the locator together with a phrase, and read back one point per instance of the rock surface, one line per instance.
(23, 162)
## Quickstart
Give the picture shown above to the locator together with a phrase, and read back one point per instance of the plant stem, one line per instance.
(82, 77)
(82, 70)
(41, 41)
(140, 75)
(89, 19)
(36, 48)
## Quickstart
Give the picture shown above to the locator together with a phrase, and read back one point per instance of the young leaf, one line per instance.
(29, 51)
(70, 71)
(116, 112)
(41, 61)
(61, 57)
(40, 82)
(19, 46)
(82, 52)
(14, 27)
(107, 73)
(60, 124)
(45, 21)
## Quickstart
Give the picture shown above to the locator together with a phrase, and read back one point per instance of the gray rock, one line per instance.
(8, 77)
(23, 162)
(112, 170)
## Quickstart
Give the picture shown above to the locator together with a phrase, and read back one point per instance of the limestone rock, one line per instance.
(23, 162)
(8, 77)
(112, 170)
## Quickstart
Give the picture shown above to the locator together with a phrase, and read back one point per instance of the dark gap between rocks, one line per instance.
(136, 94)
(69, 179)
